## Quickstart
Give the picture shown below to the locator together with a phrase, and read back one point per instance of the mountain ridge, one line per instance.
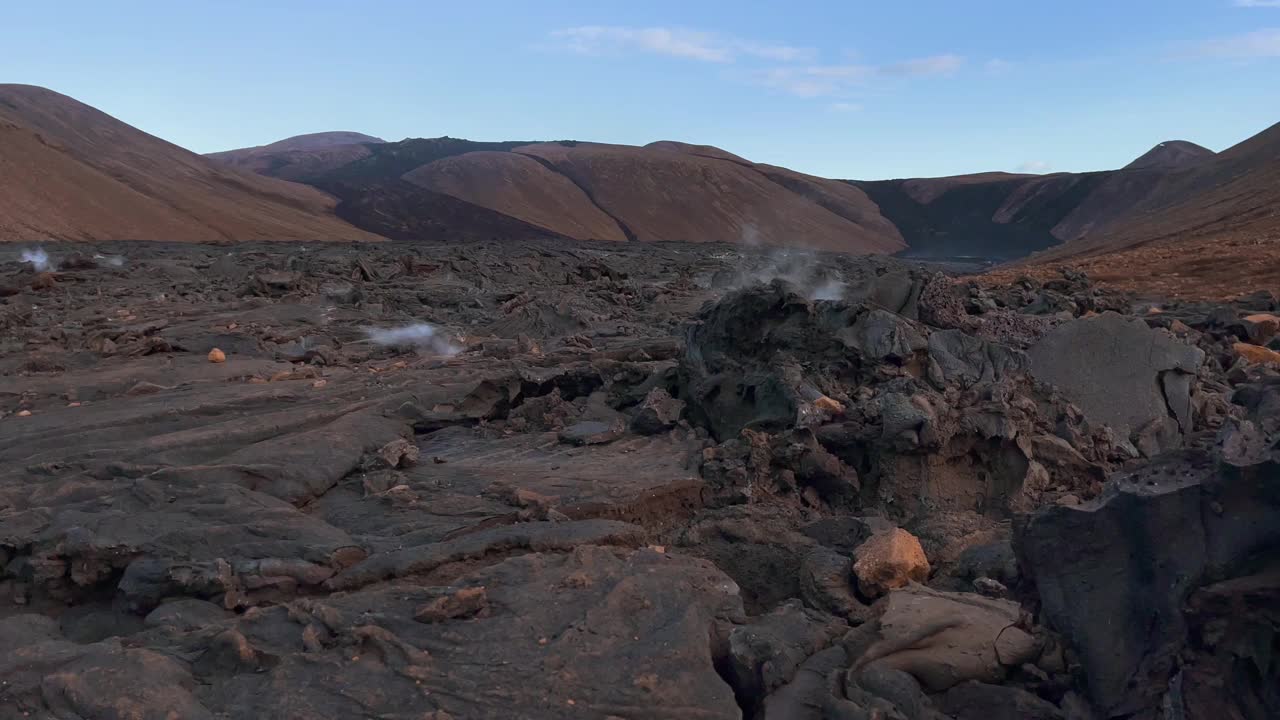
(70, 171)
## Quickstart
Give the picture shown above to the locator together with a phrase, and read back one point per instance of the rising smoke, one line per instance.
(422, 336)
(800, 268)
(38, 258)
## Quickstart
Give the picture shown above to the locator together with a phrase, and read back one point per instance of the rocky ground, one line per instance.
(1218, 267)
(567, 481)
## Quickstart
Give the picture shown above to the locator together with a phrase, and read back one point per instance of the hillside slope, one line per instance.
(1171, 154)
(68, 171)
(658, 194)
(1211, 230)
(521, 187)
(663, 191)
(1005, 216)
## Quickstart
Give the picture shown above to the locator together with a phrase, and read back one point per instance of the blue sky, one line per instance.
(835, 88)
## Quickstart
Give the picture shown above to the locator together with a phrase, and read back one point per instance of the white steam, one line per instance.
(802, 269)
(829, 290)
(423, 336)
(38, 258)
(111, 260)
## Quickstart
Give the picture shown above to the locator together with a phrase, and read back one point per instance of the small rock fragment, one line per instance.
(399, 453)
(217, 356)
(658, 413)
(463, 603)
(990, 588)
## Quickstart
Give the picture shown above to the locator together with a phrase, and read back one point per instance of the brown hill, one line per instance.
(522, 187)
(68, 171)
(659, 194)
(840, 198)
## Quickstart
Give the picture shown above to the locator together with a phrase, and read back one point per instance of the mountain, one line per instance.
(68, 171)
(1171, 154)
(300, 156)
(670, 194)
(665, 191)
(671, 190)
(1210, 229)
(312, 141)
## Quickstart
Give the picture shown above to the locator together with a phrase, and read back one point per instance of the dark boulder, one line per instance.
(1113, 574)
(1121, 373)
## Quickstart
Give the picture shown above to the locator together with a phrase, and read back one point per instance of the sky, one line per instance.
(836, 88)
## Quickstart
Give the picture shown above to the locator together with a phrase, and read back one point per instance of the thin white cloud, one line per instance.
(815, 80)
(788, 68)
(1263, 43)
(828, 80)
(780, 53)
(599, 40)
(921, 67)
(1258, 3)
(1038, 167)
(996, 66)
(845, 107)
(672, 42)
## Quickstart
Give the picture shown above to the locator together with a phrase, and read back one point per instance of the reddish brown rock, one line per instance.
(888, 561)
(1257, 355)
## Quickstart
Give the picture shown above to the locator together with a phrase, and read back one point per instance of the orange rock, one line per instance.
(217, 356)
(1262, 326)
(43, 281)
(889, 560)
(1257, 355)
(828, 404)
(24, 413)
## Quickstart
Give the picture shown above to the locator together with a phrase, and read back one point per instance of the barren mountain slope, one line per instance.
(710, 151)
(666, 195)
(73, 172)
(519, 186)
(670, 190)
(1210, 230)
(302, 156)
(1171, 154)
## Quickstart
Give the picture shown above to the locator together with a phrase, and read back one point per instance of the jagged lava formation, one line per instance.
(626, 480)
